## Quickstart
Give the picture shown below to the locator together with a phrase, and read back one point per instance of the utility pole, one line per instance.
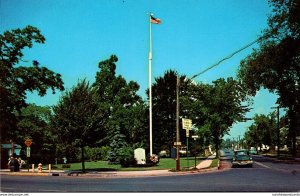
(278, 130)
(177, 125)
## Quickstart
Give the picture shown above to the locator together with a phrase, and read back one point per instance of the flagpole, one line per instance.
(150, 85)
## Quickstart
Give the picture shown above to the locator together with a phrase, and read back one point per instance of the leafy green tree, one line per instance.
(34, 124)
(275, 65)
(124, 109)
(214, 108)
(262, 131)
(164, 109)
(16, 79)
(76, 118)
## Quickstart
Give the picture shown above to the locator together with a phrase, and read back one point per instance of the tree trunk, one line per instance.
(82, 159)
(217, 145)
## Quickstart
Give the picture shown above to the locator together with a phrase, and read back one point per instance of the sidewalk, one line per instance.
(206, 163)
(202, 167)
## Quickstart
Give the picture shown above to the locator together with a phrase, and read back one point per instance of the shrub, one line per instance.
(152, 160)
(127, 157)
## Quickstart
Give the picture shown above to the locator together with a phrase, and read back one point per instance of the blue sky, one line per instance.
(193, 35)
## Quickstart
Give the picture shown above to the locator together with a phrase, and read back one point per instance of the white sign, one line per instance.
(28, 152)
(140, 156)
(186, 124)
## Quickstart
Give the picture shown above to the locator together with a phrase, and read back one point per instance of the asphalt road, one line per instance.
(265, 176)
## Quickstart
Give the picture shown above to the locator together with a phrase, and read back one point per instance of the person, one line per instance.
(11, 163)
(16, 165)
(21, 162)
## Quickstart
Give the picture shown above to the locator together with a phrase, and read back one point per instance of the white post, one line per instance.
(32, 167)
(49, 168)
(150, 87)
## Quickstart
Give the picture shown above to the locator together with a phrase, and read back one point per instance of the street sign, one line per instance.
(177, 143)
(186, 124)
(28, 151)
(28, 142)
(187, 132)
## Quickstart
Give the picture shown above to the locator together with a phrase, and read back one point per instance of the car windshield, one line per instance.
(241, 153)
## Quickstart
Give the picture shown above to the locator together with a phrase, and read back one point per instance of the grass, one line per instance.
(165, 163)
(214, 163)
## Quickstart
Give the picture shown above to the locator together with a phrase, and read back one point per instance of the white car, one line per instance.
(253, 150)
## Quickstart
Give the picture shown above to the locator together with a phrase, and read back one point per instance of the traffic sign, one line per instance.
(28, 152)
(177, 143)
(28, 142)
(187, 132)
(186, 124)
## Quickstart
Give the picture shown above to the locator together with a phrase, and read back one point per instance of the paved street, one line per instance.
(265, 176)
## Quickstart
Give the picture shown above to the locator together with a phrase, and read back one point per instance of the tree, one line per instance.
(76, 118)
(216, 107)
(276, 64)
(34, 123)
(164, 108)
(124, 109)
(16, 80)
(262, 131)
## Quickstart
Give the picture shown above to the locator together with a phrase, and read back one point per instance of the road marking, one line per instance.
(262, 165)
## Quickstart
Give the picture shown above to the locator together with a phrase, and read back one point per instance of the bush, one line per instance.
(127, 157)
(66, 165)
(152, 160)
(94, 154)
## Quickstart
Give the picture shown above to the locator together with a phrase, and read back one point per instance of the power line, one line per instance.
(226, 58)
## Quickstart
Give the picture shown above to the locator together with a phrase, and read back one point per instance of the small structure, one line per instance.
(6, 152)
(140, 156)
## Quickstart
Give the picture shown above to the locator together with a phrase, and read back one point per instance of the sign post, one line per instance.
(187, 125)
(28, 143)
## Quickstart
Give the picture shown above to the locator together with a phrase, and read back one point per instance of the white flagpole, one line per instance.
(150, 86)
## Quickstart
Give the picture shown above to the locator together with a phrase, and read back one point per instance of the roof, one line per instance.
(8, 146)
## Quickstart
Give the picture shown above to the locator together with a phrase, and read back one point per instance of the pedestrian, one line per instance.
(11, 163)
(16, 165)
(21, 162)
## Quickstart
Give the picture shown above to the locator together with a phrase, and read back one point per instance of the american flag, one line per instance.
(155, 20)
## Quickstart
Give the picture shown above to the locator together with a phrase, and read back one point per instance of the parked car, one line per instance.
(242, 158)
(163, 153)
(182, 151)
(253, 150)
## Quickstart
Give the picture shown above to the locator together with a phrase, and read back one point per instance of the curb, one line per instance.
(118, 174)
(113, 174)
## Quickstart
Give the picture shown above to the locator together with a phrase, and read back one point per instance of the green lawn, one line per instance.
(165, 163)
(214, 163)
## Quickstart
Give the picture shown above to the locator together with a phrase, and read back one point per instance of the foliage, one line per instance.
(75, 119)
(116, 146)
(153, 159)
(127, 157)
(124, 109)
(275, 65)
(34, 124)
(97, 153)
(262, 131)
(215, 107)
(16, 80)
(164, 109)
